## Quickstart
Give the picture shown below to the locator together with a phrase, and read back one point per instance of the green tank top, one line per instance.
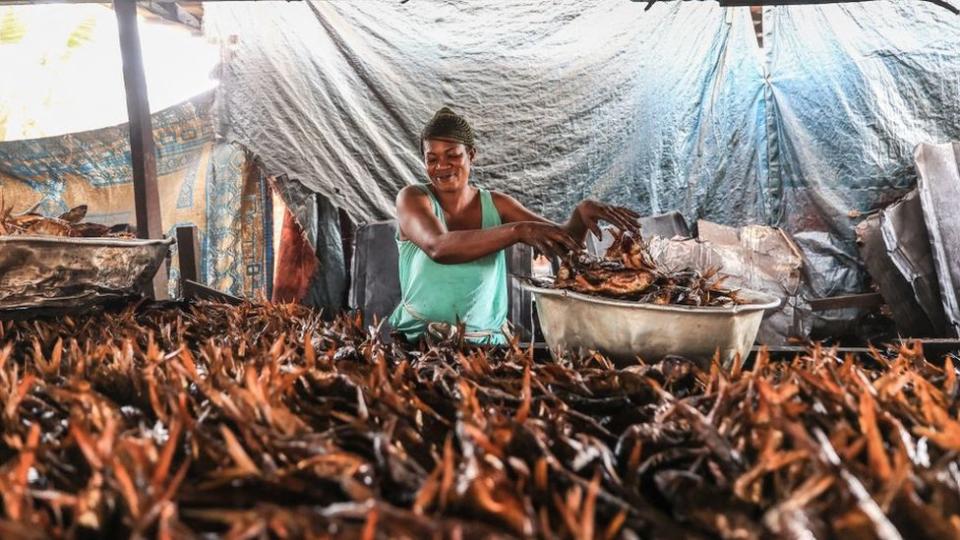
(474, 292)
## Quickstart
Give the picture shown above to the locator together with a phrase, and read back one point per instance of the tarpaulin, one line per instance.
(319, 225)
(908, 245)
(675, 108)
(851, 90)
(905, 310)
(658, 110)
(939, 191)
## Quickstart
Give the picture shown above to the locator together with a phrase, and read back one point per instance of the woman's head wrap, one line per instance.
(448, 126)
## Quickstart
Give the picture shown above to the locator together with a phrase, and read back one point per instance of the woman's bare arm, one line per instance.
(421, 226)
(585, 216)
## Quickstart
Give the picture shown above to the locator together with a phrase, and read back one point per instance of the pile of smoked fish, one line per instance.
(628, 272)
(67, 224)
(203, 420)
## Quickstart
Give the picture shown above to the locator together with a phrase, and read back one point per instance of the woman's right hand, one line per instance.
(546, 238)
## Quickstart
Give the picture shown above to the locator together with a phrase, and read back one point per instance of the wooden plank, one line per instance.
(146, 195)
(934, 349)
(188, 252)
(866, 300)
(347, 232)
(194, 290)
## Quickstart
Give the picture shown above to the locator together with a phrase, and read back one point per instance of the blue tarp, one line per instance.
(675, 108)
(851, 91)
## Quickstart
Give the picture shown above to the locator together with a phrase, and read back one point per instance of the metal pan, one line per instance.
(625, 330)
(53, 271)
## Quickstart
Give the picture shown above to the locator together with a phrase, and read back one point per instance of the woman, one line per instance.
(452, 236)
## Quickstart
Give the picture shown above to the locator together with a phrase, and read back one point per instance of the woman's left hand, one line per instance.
(591, 212)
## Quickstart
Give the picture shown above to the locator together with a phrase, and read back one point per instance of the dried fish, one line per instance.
(181, 420)
(67, 224)
(628, 272)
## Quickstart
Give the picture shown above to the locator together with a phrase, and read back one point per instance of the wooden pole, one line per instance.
(188, 248)
(146, 195)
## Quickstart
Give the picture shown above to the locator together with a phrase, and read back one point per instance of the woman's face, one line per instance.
(448, 164)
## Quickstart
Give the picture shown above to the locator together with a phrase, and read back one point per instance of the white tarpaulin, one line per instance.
(675, 108)
(570, 99)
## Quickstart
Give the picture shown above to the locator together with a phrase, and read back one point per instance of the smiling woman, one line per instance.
(452, 236)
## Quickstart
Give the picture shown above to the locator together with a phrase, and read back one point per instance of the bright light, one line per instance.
(62, 71)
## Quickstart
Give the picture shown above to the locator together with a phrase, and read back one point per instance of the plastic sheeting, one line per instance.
(675, 108)
(908, 246)
(939, 190)
(321, 226)
(570, 100)
(852, 90)
(906, 311)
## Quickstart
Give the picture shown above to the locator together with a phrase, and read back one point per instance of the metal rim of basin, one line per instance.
(764, 301)
(87, 241)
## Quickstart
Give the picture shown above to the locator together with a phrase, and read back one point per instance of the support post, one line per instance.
(188, 253)
(146, 195)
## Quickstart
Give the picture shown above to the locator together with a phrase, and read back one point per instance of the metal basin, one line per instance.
(55, 272)
(625, 330)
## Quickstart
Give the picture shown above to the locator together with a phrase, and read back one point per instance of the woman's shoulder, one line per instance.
(419, 189)
(412, 192)
(503, 201)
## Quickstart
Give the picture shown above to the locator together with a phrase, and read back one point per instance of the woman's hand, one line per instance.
(591, 212)
(546, 238)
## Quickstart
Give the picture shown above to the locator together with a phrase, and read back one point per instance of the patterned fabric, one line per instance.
(212, 184)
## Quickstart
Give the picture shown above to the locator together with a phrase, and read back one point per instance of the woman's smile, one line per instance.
(445, 177)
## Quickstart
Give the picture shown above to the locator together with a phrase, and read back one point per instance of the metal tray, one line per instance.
(54, 272)
(625, 330)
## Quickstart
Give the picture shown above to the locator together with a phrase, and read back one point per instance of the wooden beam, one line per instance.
(146, 195)
(197, 291)
(188, 253)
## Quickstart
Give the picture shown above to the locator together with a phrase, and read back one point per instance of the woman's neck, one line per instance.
(456, 201)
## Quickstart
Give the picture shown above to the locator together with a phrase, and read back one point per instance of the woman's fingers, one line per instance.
(553, 249)
(626, 219)
(629, 218)
(538, 247)
(618, 220)
(556, 248)
(567, 241)
(551, 240)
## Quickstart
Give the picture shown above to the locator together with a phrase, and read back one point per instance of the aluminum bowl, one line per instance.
(60, 272)
(625, 330)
